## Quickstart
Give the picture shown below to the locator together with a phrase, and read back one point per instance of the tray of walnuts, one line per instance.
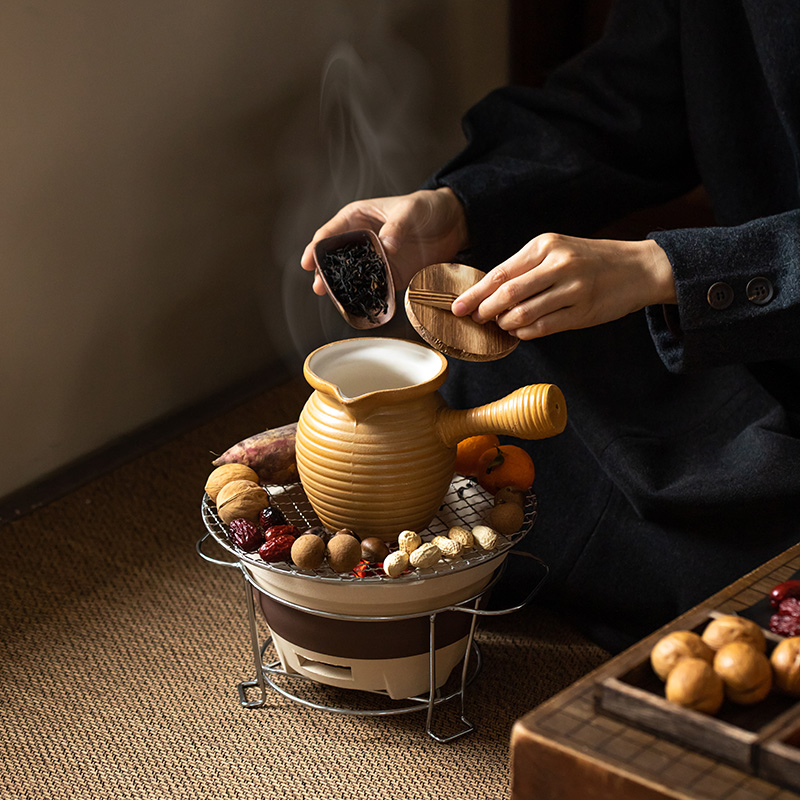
(723, 684)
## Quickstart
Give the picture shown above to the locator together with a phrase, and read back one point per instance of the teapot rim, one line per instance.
(431, 381)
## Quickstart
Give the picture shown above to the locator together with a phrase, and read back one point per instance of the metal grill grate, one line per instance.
(465, 504)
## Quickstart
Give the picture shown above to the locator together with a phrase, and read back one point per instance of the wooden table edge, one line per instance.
(535, 759)
(524, 733)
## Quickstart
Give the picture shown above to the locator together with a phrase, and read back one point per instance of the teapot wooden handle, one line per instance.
(532, 412)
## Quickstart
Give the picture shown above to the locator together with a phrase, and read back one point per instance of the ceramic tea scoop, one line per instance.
(427, 303)
(356, 274)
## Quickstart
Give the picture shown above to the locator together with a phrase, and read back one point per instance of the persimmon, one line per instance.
(505, 465)
(469, 450)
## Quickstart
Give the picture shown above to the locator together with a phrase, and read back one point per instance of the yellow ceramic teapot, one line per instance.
(376, 443)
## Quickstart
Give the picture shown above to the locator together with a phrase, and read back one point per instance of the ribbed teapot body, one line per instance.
(374, 461)
(379, 475)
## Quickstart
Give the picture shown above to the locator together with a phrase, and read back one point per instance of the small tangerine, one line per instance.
(469, 451)
(505, 465)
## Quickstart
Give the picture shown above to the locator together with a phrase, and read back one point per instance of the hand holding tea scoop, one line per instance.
(417, 229)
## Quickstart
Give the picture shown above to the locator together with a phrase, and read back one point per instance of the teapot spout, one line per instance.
(537, 411)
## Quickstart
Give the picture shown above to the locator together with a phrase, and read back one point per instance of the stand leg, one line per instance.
(468, 726)
(465, 669)
(257, 658)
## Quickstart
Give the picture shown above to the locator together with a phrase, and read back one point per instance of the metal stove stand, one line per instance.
(271, 675)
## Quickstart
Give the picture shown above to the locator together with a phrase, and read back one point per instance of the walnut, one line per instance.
(241, 499)
(745, 671)
(730, 628)
(670, 649)
(227, 473)
(785, 660)
(692, 683)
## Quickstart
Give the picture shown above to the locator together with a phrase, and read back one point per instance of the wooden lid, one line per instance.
(459, 337)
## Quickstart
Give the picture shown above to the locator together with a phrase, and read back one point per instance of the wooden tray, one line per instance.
(735, 735)
(778, 757)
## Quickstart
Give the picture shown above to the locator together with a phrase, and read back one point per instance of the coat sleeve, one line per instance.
(755, 270)
(605, 136)
(608, 134)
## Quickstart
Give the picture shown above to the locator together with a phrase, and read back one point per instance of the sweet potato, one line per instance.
(270, 453)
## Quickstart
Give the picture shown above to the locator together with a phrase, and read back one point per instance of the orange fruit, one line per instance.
(505, 465)
(469, 450)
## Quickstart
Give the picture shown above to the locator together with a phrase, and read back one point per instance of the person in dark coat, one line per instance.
(679, 355)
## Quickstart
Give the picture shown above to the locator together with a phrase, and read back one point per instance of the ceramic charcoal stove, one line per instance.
(375, 453)
(364, 630)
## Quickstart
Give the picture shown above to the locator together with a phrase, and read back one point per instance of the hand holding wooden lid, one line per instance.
(428, 298)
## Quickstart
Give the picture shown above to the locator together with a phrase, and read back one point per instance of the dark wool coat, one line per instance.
(680, 467)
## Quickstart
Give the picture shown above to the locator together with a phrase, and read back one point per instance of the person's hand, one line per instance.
(557, 283)
(425, 227)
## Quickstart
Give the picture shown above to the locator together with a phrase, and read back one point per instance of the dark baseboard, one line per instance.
(135, 443)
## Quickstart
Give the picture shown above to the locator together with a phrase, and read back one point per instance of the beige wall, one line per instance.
(163, 163)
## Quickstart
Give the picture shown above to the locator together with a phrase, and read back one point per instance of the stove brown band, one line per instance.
(380, 639)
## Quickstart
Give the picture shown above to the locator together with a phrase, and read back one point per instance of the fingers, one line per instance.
(353, 216)
(560, 320)
(507, 285)
(532, 293)
(558, 283)
(393, 233)
(424, 227)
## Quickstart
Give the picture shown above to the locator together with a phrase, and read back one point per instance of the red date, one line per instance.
(281, 530)
(245, 534)
(783, 590)
(270, 516)
(277, 548)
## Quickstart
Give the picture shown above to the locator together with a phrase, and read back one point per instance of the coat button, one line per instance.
(720, 295)
(760, 291)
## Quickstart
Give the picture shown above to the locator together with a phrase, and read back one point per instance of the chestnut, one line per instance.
(374, 549)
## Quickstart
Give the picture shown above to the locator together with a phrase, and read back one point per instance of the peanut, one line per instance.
(485, 536)
(450, 548)
(461, 535)
(395, 563)
(408, 541)
(426, 555)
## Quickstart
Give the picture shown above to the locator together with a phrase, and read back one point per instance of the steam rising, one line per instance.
(365, 141)
(358, 120)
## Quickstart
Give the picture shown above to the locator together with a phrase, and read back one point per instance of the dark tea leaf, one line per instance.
(357, 279)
